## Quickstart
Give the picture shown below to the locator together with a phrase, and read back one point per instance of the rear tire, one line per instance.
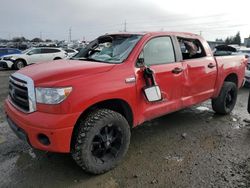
(101, 141)
(18, 64)
(226, 100)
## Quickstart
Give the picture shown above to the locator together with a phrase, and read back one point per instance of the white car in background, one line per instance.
(31, 56)
(246, 51)
(71, 52)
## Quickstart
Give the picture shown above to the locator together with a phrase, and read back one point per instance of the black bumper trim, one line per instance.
(3, 64)
(18, 131)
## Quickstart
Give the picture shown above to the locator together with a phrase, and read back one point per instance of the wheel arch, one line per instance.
(232, 77)
(22, 60)
(117, 105)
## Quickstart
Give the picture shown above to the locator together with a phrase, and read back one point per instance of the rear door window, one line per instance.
(49, 50)
(191, 48)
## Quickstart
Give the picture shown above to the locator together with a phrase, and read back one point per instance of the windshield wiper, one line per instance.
(88, 58)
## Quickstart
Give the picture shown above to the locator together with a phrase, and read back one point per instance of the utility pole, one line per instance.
(41, 35)
(125, 26)
(70, 34)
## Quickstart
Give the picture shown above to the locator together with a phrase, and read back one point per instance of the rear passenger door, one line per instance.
(48, 54)
(200, 71)
(159, 54)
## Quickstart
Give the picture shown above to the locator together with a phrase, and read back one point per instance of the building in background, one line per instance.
(247, 42)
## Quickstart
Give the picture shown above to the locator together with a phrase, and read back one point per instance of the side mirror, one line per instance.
(140, 62)
(153, 93)
(246, 56)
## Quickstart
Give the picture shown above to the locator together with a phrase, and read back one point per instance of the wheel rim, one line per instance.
(20, 64)
(230, 97)
(107, 143)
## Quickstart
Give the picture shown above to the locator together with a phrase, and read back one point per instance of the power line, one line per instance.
(125, 26)
(70, 34)
(40, 34)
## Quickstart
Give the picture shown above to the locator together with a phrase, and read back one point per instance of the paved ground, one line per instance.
(190, 148)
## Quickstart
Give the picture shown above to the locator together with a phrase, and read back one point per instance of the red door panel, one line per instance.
(199, 80)
(170, 84)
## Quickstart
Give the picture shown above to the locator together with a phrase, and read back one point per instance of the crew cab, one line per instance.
(31, 56)
(86, 106)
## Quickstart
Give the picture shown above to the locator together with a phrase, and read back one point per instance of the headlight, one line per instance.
(52, 95)
(7, 58)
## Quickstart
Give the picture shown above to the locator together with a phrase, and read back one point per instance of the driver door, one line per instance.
(158, 54)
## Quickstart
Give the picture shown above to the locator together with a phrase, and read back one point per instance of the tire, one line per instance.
(247, 85)
(101, 141)
(57, 58)
(226, 100)
(18, 64)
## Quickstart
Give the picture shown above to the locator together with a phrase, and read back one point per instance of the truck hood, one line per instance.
(60, 70)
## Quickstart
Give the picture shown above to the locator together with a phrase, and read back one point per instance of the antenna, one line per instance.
(125, 26)
(70, 34)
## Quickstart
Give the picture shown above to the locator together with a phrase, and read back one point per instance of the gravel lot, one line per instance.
(190, 148)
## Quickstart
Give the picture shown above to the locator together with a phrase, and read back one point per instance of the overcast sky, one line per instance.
(90, 18)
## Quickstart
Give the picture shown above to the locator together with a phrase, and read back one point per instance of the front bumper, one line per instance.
(6, 64)
(17, 130)
(57, 127)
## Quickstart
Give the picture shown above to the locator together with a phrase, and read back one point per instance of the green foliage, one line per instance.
(36, 40)
(233, 39)
(19, 39)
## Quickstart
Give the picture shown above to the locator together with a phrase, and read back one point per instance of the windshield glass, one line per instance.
(25, 51)
(109, 48)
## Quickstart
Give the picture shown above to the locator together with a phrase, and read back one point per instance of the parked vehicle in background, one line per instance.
(224, 50)
(71, 52)
(31, 56)
(9, 51)
(86, 106)
(246, 51)
(248, 104)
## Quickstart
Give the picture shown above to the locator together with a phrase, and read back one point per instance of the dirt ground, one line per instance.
(190, 148)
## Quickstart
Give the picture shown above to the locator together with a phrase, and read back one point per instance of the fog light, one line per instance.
(43, 139)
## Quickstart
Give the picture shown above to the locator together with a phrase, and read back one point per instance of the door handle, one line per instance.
(210, 65)
(177, 70)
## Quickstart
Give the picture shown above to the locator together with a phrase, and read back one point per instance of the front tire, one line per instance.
(101, 141)
(19, 64)
(226, 100)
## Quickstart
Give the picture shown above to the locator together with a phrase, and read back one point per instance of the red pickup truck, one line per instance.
(87, 105)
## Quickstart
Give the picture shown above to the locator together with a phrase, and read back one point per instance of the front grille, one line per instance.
(18, 93)
(21, 92)
(248, 66)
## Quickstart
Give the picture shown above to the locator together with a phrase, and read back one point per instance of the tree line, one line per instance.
(23, 39)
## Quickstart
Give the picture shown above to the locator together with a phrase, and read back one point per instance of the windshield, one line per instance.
(25, 51)
(109, 48)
